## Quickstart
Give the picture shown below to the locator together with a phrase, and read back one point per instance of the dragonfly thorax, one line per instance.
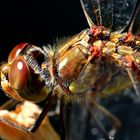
(76, 62)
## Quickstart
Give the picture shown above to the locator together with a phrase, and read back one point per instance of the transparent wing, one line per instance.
(99, 12)
(113, 14)
(122, 13)
(135, 21)
(136, 27)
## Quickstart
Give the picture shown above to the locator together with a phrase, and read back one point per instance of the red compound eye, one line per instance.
(15, 52)
(19, 73)
(19, 80)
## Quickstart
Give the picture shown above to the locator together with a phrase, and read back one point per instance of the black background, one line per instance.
(38, 22)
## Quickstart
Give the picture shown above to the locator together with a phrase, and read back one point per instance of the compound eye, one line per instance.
(15, 52)
(6, 86)
(18, 73)
(4, 72)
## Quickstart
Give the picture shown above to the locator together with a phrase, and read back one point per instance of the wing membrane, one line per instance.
(92, 11)
(99, 11)
(106, 7)
(113, 14)
(134, 26)
(122, 13)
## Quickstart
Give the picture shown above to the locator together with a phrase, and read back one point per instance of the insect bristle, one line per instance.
(67, 97)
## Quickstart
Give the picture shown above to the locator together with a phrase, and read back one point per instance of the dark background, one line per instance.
(38, 22)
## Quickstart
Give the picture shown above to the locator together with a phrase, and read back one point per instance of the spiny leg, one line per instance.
(107, 113)
(129, 71)
(43, 114)
(100, 127)
(115, 121)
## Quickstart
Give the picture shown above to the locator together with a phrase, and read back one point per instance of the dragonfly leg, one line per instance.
(100, 127)
(42, 115)
(107, 113)
(56, 111)
(111, 117)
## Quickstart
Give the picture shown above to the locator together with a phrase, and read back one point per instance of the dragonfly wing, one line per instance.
(98, 12)
(135, 22)
(115, 15)
(122, 13)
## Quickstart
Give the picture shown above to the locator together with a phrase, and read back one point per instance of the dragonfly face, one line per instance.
(21, 74)
(97, 60)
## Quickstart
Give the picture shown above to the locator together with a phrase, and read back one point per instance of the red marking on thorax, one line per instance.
(95, 52)
(129, 37)
(96, 30)
(128, 61)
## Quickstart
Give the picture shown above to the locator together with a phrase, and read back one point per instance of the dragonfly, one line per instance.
(97, 62)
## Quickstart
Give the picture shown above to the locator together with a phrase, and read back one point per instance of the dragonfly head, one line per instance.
(21, 77)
